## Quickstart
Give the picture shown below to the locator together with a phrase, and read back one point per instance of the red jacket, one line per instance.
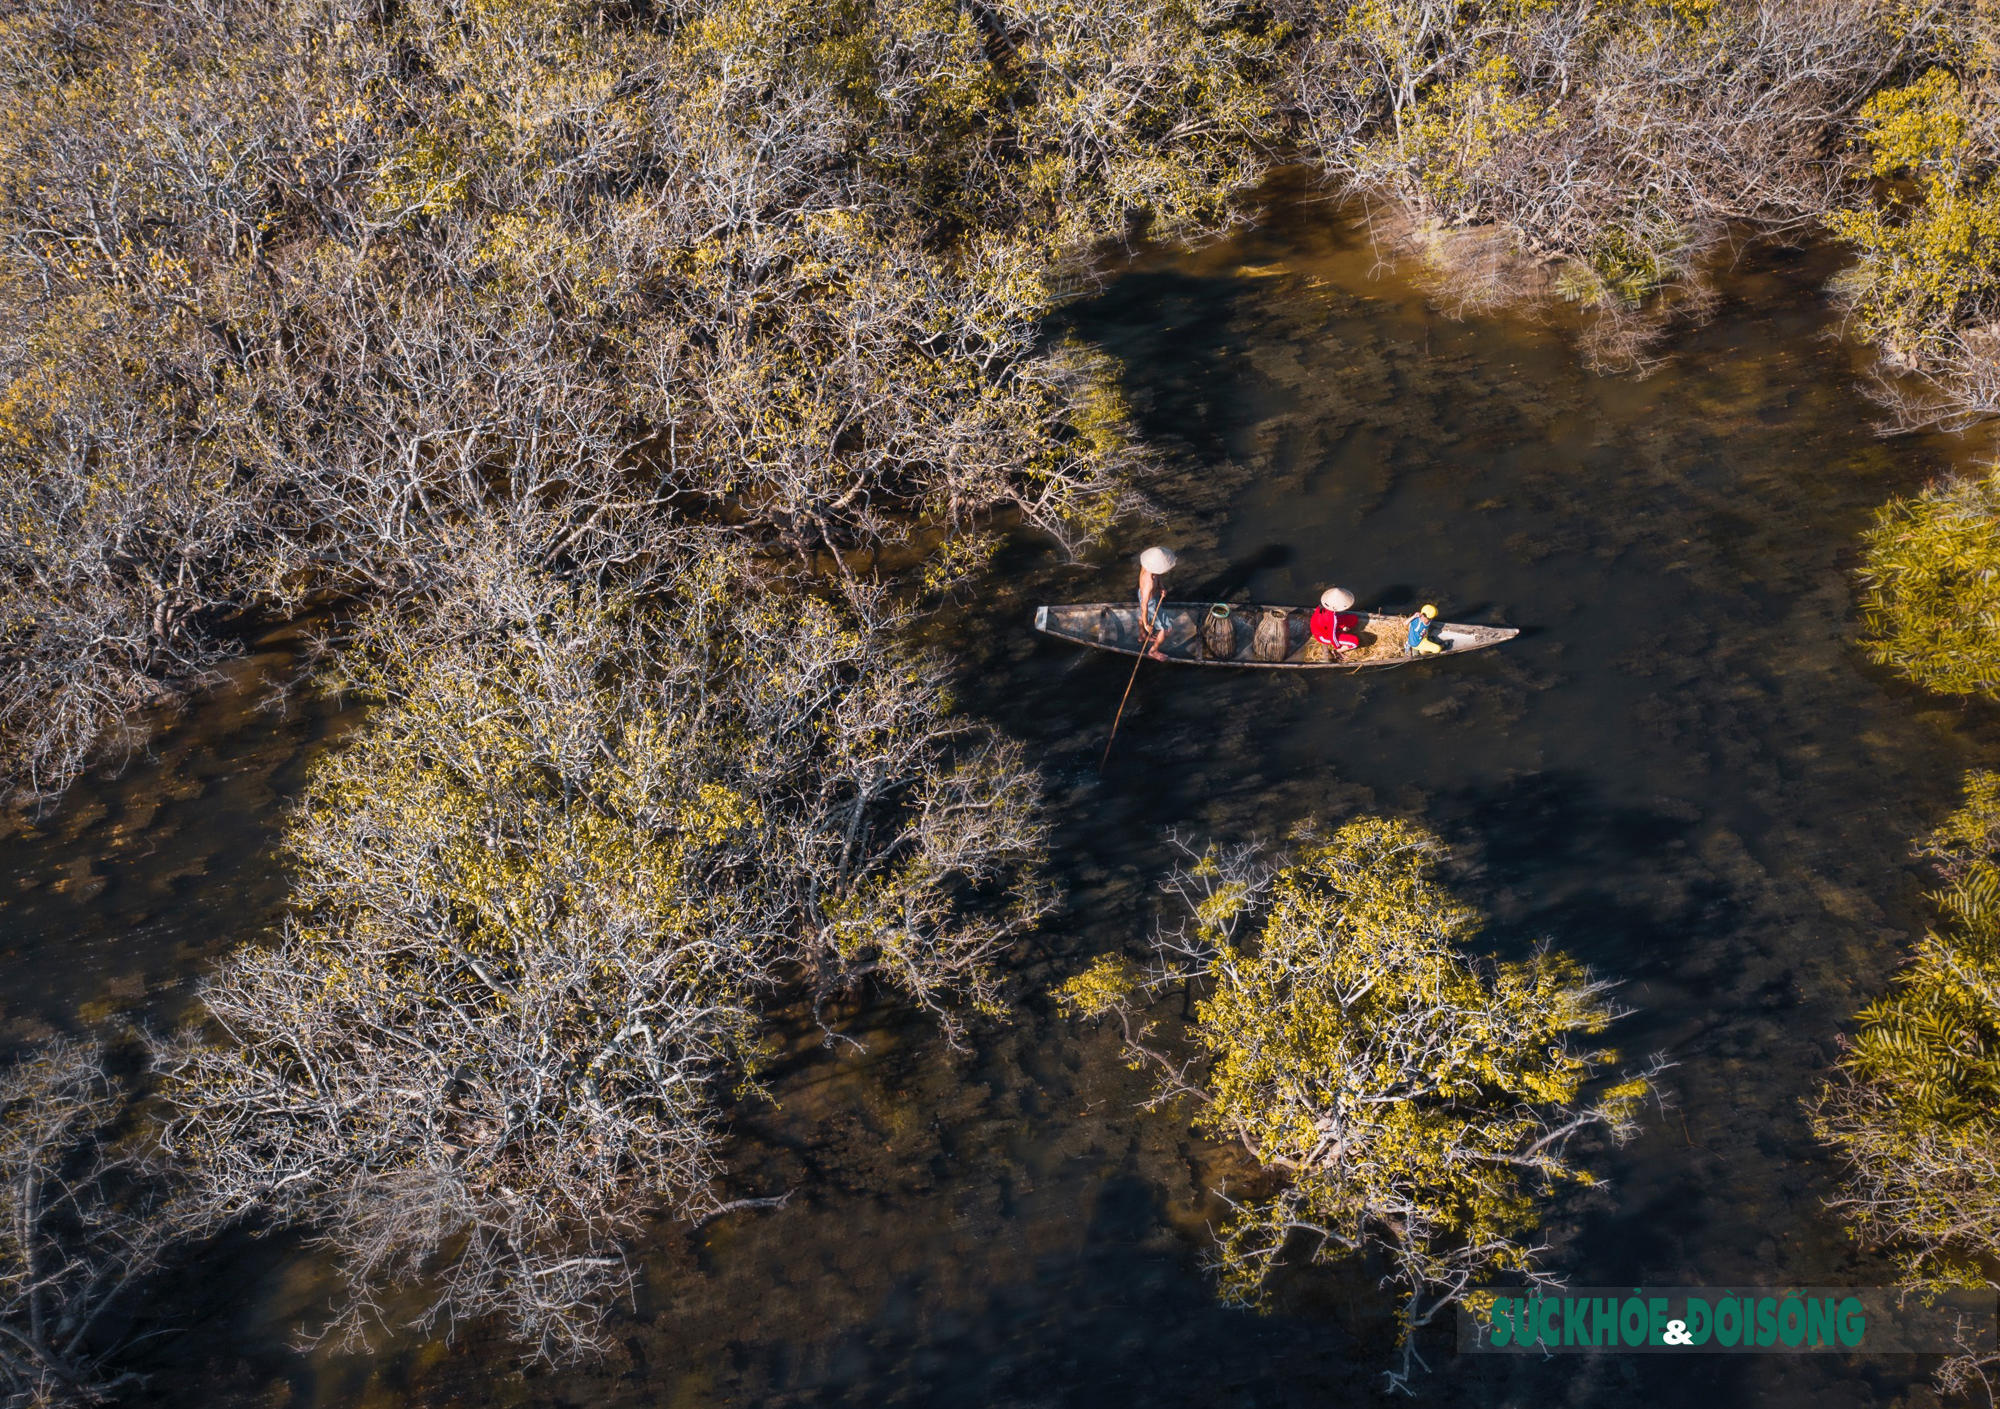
(1337, 629)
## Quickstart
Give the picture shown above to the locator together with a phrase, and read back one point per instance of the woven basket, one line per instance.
(1218, 633)
(1272, 643)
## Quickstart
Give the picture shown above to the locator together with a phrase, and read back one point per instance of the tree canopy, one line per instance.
(1912, 1108)
(539, 903)
(294, 292)
(1930, 597)
(290, 292)
(1412, 1099)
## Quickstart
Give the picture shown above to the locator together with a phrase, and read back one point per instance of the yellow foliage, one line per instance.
(1461, 125)
(513, 808)
(1099, 989)
(1412, 1097)
(1930, 595)
(1913, 1107)
(1927, 275)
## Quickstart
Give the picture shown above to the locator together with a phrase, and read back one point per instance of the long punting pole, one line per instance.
(1121, 711)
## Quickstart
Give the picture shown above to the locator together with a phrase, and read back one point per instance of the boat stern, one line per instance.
(1041, 618)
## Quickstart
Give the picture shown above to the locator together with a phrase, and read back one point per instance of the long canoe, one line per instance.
(1252, 635)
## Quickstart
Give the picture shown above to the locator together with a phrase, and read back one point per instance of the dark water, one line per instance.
(111, 904)
(1681, 771)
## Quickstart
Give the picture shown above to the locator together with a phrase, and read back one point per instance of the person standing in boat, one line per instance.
(1154, 564)
(1334, 626)
(1419, 642)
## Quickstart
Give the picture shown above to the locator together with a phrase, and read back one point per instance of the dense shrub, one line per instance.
(1931, 587)
(1414, 1100)
(1926, 285)
(294, 292)
(1915, 1108)
(539, 902)
(1618, 141)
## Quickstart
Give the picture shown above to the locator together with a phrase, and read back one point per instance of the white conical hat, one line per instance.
(1157, 560)
(1336, 599)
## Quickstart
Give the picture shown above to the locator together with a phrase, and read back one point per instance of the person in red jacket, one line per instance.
(1333, 624)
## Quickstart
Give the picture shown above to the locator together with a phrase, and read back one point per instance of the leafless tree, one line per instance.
(90, 1213)
(911, 837)
(337, 284)
(123, 551)
(1620, 144)
(540, 901)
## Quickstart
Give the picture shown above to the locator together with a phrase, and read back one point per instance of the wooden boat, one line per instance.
(1250, 634)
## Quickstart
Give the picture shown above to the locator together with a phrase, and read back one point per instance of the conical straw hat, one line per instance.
(1336, 599)
(1157, 560)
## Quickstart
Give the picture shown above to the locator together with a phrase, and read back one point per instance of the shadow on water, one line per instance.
(1226, 585)
(111, 904)
(1680, 772)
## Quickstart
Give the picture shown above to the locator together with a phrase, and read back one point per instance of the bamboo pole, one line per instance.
(1144, 647)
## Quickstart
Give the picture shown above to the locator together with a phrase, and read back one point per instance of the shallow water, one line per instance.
(112, 903)
(1681, 772)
